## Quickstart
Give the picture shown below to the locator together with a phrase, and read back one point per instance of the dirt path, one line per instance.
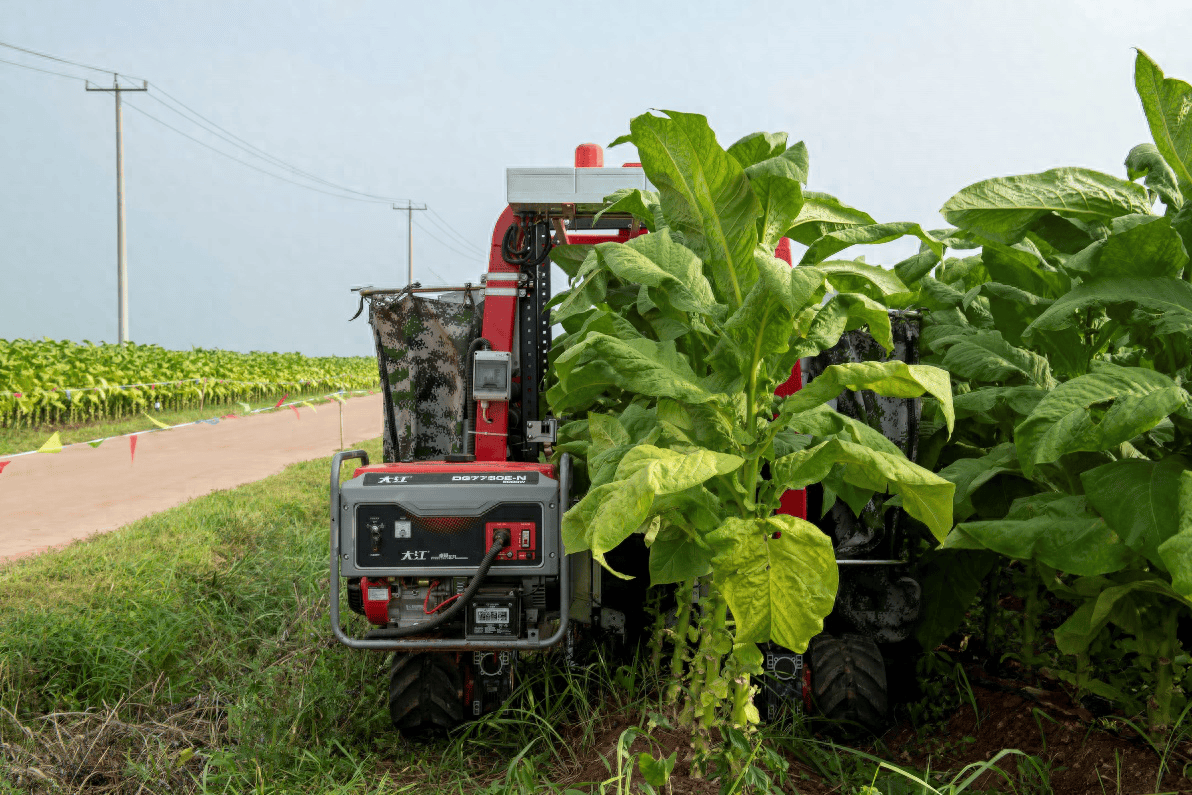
(50, 500)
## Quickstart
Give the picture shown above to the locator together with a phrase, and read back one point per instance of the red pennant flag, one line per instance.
(228, 417)
(4, 464)
(283, 400)
(132, 448)
(296, 414)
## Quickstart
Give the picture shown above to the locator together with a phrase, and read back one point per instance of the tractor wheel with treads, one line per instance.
(848, 682)
(426, 693)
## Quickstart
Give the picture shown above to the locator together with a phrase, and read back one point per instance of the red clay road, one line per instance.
(48, 500)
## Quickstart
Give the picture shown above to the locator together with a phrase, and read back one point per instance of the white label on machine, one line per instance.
(378, 594)
(492, 615)
(401, 529)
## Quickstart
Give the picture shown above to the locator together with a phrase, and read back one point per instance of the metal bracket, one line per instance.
(542, 432)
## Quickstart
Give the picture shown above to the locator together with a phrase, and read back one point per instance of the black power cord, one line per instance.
(501, 538)
(535, 241)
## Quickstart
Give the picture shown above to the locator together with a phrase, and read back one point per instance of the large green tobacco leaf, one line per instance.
(845, 312)
(758, 146)
(777, 183)
(1003, 209)
(1118, 604)
(822, 214)
(1139, 500)
(570, 257)
(1148, 247)
(987, 357)
(970, 474)
(641, 204)
(872, 234)
(608, 514)
(1145, 161)
(1170, 298)
(1073, 416)
(872, 281)
(1055, 529)
(1166, 102)
(892, 379)
(925, 496)
(779, 577)
(1176, 552)
(704, 193)
(822, 421)
(675, 557)
(600, 363)
(658, 262)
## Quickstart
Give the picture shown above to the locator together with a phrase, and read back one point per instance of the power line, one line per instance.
(450, 230)
(63, 60)
(256, 151)
(443, 243)
(44, 71)
(250, 165)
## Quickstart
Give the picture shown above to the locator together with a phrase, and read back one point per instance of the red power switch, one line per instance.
(523, 540)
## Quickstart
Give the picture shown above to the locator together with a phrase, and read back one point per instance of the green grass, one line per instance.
(19, 440)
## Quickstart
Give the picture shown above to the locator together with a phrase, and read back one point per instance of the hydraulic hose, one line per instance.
(500, 539)
(469, 404)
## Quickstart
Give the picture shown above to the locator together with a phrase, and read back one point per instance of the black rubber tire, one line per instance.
(848, 682)
(426, 693)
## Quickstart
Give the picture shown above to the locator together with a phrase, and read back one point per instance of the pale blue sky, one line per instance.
(901, 105)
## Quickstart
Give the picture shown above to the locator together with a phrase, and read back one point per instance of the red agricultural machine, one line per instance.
(452, 546)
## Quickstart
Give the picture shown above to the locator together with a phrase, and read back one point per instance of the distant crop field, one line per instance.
(48, 383)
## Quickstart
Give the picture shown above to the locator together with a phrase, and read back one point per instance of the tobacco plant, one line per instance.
(675, 342)
(1068, 333)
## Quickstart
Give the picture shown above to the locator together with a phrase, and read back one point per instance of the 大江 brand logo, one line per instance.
(393, 479)
(414, 554)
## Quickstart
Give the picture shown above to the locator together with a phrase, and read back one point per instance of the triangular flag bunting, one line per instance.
(132, 448)
(97, 442)
(283, 400)
(4, 464)
(247, 408)
(296, 414)
(309, 405)
(52, 445)
(156, 422)
(228, 417)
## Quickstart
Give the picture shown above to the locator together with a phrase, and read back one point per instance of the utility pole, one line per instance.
(121, 247)
(410, 208)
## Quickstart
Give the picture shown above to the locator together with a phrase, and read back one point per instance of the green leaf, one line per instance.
(1166, 102)
(874, 234)
(873, 281)
(1076, 634)
(570, 257)
(608, 514)
(1146, 249)
(674, 557)
(822, 214)
(988, 357)
(1065, 420)
(950, 580)
(658, 262)
(970, 474)
(777, 183)
(1145, 161)
(1004, 209)
(641, 204)
(1176, 552)
(600, 364)
(822, 421)
(758, 146)
(704, 193)
(1055, 529)
(845, 312)
(892, 379)
(1139, 500)
(925, 496)
(656, 772)
(1170, 300)
(778, 588)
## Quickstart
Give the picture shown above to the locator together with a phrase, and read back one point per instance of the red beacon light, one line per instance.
(589, 156)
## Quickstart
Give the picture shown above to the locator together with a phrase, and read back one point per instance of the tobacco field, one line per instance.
(52, 382)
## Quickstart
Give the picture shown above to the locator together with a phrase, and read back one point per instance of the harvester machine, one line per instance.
(451, 546)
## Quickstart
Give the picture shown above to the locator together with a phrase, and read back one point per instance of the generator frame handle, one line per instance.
(443, 644)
